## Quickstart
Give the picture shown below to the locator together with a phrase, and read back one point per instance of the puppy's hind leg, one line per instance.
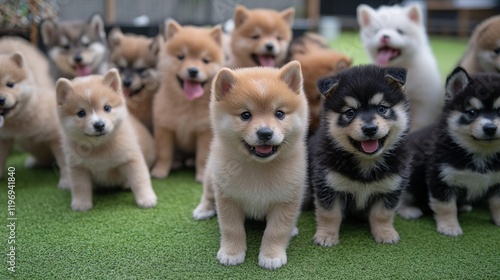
(202, 148)
(494, 203)
(445, 214)
(164, 142)
(206, 208)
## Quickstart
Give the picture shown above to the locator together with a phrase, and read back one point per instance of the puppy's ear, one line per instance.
(291, 74)
(96, 23)
(328, 85)
(114, 37)
(18, 59)
(216, 34)
(396, 76)
(112, 80)
(343, 63)
(288, 15)
(223, 83)
(456, 82)
(240, 15)
(48, 30)
(155, 46)
(365, 15)
(415, 13)
(63, 88)
(172, 28)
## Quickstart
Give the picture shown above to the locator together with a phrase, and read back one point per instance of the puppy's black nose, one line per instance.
(269, 47)
(99, 126)
(265, 134)
(490, 129)
(127, 82)
(2, 100)
(369, 130)
(193, 72)
(386, 37)
(78, 58)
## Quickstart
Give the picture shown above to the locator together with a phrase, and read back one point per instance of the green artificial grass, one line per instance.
(118, 240)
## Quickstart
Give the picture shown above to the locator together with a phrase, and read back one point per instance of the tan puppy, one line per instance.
(257, 164)
(483, 53)
(188, 62)
(318, 60)
(260, 37)
(102, 141)
(135, 56)
(27, 107)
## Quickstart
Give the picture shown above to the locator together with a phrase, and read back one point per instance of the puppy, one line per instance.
(357, 161)
(457, 162)
(396, 36)
(257, 163)
(135, 56)
(76, 48)
(317, 60)
(483, 52)
(260, 37)
(102, 142)
(27, 107)
(189, 60)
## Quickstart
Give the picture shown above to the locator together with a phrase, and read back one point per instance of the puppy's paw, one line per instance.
(386, 236)
(272, 262)
(30, 162)
(295, 232)
(203, 212)
(410, 212)
(147, 201)
(64, 184)
(496, 219)
(452, 230)
(199, 177)
(465, 208)
(230, 258)
(159, 173)
(326, 240)
(81, 205)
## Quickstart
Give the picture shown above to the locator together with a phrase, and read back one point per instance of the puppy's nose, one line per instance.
(193, 72)
(78, 58)
(265, 134)
(490, 129)
(269, 47)
(99, 126)
(369, 130)
(385, 39)
(2, 100)
(127, 82)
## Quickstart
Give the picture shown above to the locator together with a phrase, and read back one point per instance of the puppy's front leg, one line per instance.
(232, 228)
(202, 148)
(81, 189)
(164, 142)
(138, 179)
(64, 178)
(381, 222)
(5, 149)
(206, 208)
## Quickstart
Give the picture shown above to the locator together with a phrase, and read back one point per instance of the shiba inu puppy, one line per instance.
(457, 162)
(396, 36)
(483, 52)
(28, 107)
(260, 37)
(76, 48)
(317, 60)
(257, 164)
(189, 60)
(357, 161)
(104, 145)
(135, 56)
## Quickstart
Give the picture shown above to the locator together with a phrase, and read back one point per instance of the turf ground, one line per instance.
(118, 240)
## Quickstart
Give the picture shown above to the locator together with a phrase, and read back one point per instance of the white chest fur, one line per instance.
(475, 183)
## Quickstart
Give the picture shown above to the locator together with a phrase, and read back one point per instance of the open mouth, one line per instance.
(82, 70)
(370, 146)
(386, 54)
(96, 135)
(192, 89)
(128, 92)
(5, 112)
(266, 60)
(262, 151)
(486, 139)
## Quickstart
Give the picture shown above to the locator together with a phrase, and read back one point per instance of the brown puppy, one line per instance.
(188, 61)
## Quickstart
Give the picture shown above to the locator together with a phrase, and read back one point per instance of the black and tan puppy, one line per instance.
(358, 164)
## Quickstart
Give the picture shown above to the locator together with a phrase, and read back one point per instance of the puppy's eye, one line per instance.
(400, 31)
(180, 57)
(10, 84)
(497, 51)
(350, 113)
(246, 116)
(206, 60)
(81, 114)
(107, 108)
(255, 37)
(141, 71)
(471, 113)
(278, 38)
(382, 109)
(280, 114)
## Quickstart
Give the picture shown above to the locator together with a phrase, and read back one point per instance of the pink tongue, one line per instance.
(83, 70)
(369, 146)
(266, 61)
(126, 92)
(383, 56)
(192, 89)
(264, 149)
(1, 121)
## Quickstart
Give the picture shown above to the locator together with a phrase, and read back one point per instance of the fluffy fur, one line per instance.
(358, 163)
(135, 56)
(260, 37)
(76, 48)
(483, 52)
(189, 60)
(457, 162)
(317, 60)
(396, 36)
(27, 107)
(257, 164)
(102, 142)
